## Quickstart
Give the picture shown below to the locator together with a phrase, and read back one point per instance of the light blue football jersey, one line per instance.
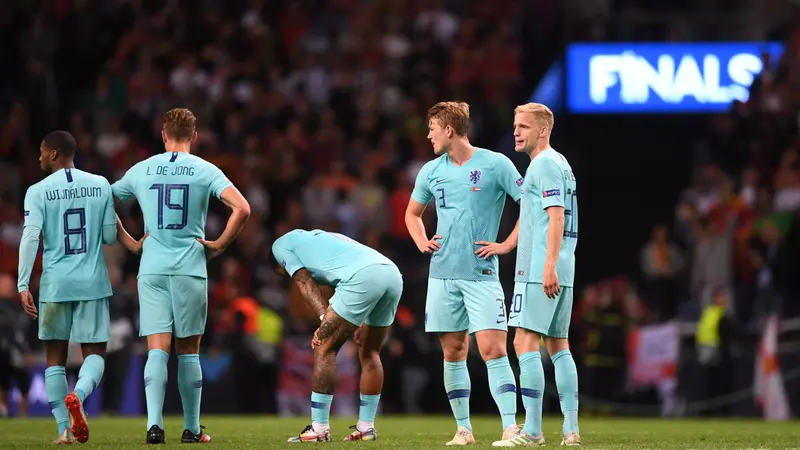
(469, 201)
(71, 207)
(173, 190)
(330, 257)
(549, 181)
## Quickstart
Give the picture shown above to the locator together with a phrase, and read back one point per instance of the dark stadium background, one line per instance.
(107, 70)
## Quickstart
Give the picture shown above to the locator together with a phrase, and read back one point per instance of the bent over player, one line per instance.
(542, 303)
(75, 212)
(468, 186)
(367, 288)
(173, 191)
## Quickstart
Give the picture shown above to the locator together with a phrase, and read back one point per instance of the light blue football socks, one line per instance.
(90, 375)
(155, 386)
(504, 389)
(567, 385)
(55, 386)
(457, 385)
(531, 386)
(190, 385)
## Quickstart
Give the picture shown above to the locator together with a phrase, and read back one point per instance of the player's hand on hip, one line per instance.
(137, 248)
(213, 248)
(550, 283)
(491, 248)
(28, 304)
(431, 246)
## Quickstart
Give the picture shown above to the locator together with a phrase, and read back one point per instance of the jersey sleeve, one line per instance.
(282, 250)
(109, 216)
(123, 188)
(422, 192)
(509, 177)
(550, 180)
(34, 209)
(218, 181)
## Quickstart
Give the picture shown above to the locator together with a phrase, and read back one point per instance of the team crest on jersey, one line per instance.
(475, 176)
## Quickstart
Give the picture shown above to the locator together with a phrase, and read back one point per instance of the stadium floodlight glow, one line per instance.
(663, 77)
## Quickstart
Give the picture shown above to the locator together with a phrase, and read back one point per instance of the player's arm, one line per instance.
(240, 213)
(123, 190)
(420, 197)
(109, 220)
(124, 238)
(550, 180)
(511, 182)
(310, 291)
(28, 246)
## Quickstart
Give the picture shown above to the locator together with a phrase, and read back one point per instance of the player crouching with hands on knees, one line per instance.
(367, 288)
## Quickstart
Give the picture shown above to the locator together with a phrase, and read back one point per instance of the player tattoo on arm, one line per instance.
(308, 287)
(333, 333)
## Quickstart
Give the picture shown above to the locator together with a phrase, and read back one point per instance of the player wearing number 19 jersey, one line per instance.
(173, 190)
(545, 272)
(74, 210)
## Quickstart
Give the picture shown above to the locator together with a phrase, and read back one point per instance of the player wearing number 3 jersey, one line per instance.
(173, 191)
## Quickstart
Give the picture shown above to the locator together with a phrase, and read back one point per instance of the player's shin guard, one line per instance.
(321, 411)
(55, 386)
(190, 385)
(531, 386)
(567, 384)
(155, 385)
(90, 375)
(457, 385)
(504, 389)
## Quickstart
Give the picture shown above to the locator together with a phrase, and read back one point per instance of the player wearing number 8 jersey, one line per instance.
(173, 191)
(74, 210)
(545, 272)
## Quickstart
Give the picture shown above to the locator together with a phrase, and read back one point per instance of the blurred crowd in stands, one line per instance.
(316, 111)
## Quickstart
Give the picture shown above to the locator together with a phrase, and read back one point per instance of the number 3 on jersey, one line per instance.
(441, 202)
(167, 196)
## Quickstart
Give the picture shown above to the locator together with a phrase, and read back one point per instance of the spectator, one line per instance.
(661, 262)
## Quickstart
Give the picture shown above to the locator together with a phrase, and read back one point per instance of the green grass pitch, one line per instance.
(420, 432)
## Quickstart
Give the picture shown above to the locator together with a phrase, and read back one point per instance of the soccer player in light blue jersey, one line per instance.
(545, 273)
(367, 289)
(173, 190)
(468, 186)
(74, 210)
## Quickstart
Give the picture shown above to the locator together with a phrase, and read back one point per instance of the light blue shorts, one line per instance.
(85, 322)
(532, 310)
(172, 304)
(459, 305)
(370, 296)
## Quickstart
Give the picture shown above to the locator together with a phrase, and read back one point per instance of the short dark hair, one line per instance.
(62, 141)
(273, 261)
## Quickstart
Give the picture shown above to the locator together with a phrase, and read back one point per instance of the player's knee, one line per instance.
(526, 341)
(454, 347)
(370, 360)
(160, 341)
(187, 346)
(493, 351)
(555, 345)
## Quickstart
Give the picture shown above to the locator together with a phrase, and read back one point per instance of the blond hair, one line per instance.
(179, 124)
(455, 114)
(540, 112)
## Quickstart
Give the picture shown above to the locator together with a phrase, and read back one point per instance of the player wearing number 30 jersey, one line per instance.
(173, 191)
(542, 302)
